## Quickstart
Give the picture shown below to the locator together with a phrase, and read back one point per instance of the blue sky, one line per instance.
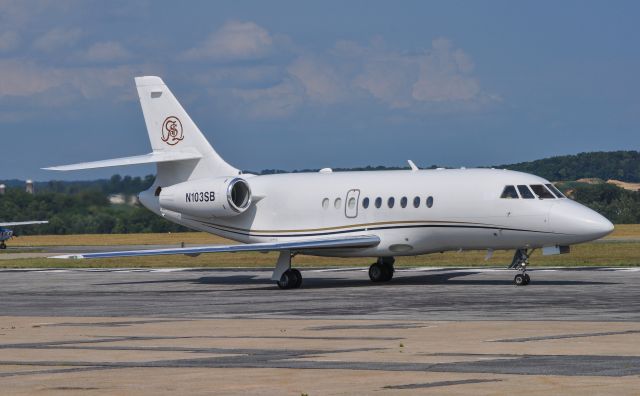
(291, 84)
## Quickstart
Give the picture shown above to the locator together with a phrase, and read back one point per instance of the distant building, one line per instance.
(117, 199)
(29, 188)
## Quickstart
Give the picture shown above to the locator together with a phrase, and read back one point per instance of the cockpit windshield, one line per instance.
(542, 191)
(509, 192)
(555, 190)
(525, 192)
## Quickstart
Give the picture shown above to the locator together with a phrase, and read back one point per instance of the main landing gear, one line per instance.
(291, 279)
(3, 245)
(520, 262)
(382, 270)
(285, 276)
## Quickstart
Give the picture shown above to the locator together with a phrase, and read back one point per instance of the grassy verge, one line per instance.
(603, 253)
(117, 239)
(621, 231)
(590, 254)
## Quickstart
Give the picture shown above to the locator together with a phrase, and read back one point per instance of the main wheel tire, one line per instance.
(3, 245)
(388, 273)
(298, 276)
(291, 279)
(286, 280)
(519, 280)
(376, 272)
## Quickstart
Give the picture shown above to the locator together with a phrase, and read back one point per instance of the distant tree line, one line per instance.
(619, 165)
(79, 212)
(83, 207)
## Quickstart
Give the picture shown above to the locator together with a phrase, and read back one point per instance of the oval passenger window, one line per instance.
(429, 202)
(365, 203)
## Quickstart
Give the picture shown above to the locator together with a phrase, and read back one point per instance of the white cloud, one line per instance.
(445, 75)
(276, 101)
(438, 79)
(8, 41)
(320, 81)
(234, 41)
(25, 79)
(388, 79)
(439, 74)
(106, 51)
(57, 38)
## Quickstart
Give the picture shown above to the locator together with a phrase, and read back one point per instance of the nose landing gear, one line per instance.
(519, 263)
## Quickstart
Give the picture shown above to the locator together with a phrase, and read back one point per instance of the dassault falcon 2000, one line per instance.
(378, 214)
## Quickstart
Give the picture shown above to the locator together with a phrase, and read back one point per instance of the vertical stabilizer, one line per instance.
(171, 129)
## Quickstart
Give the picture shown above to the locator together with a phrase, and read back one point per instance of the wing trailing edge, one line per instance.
(299, 245)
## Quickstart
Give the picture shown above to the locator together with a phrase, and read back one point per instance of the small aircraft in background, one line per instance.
(343, 214)
(6, 234)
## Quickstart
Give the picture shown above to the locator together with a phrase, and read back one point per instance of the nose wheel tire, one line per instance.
(521, 280)
(291, 279)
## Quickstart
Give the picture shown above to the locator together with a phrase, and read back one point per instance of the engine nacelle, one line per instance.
(220, 197)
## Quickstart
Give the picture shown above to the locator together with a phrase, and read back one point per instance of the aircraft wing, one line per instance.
(151, 158)
(19, 223)
(299, 245)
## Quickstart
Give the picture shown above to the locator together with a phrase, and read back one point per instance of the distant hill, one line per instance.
(605, 165)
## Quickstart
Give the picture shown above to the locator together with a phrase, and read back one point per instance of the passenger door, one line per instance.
(351, 203)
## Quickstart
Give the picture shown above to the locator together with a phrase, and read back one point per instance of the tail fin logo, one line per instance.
(172, 131)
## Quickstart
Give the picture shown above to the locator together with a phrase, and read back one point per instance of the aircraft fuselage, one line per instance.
(419, 212)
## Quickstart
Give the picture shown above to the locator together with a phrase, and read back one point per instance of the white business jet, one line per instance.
(347, 214)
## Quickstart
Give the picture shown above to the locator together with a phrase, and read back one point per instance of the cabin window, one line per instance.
(378, 202)
(351, 203)
(429, 202)
(555, 190)
(541, 191)
(365, 202)
(325, 203)
(416, 202)
(390, 202)
(509, 192)
(403, 202)
(337, 203)
(525, 192)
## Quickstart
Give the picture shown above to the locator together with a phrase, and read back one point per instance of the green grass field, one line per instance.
(622, 248)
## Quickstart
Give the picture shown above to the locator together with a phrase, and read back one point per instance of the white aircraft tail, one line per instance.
(171, 130)
(180, 150)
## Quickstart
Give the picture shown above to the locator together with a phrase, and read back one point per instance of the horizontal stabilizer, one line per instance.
(151, 158)
(299, 245)
(21, 223)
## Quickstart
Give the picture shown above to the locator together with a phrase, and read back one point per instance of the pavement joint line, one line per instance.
(440, 383)
(563, 336)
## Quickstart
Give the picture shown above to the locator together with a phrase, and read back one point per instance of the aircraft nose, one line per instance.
(569, 217)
